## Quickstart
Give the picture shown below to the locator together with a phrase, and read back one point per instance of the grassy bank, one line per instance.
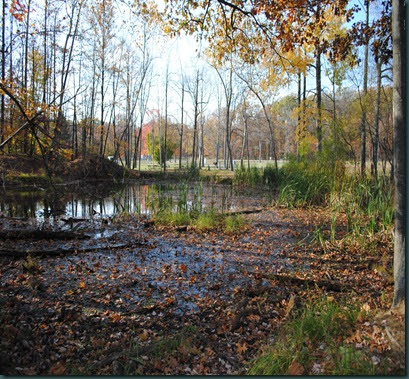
(327, 337)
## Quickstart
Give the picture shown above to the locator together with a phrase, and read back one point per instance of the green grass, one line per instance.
(256, 176)
(234, 223)
(317, 336)
(168, 211)
(171, 345)
(366, 202)
(173, 218)
(303, 183)
(206, 221)
(24, 178)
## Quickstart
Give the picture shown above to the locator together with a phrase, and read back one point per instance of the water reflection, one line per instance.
(142, 199)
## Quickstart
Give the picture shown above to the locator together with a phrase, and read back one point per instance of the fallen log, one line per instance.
(244, 212)
(40, 235)
(14, 253)
(330, 285)
(72, 220)
(343, 263)
(182, 228)
(148, 224)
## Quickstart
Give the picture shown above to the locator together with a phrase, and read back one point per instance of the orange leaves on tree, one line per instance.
(18, 10)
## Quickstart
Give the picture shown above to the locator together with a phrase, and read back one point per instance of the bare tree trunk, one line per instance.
(45, 52)
(304, 106)
(318, 85)
(319, 98)
(74, 129)
(101, 150)
(3, 71)
(93, 96)
(259, 151)
(400, 133)
(375, 148)
(201, 164)
(25, 135)
(166, 118)
(127, 151)
(181, 124)
(299, 107)
(268, 118)
(103, 58)
(11, 77)
(365, 91)
(196, 114)
(228, 93)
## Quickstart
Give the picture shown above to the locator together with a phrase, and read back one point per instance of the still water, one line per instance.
(106, 200)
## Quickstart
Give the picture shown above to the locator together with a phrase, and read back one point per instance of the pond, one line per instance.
(103, 199)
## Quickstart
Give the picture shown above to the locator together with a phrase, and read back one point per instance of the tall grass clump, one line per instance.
(206, 221)
(367, 203)
(304, 182)
(315, 339)
(234, 223)
(253, 176)
(247, 176)
(170, 205)
(165, 209)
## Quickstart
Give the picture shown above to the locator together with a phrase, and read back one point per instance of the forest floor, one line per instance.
(130, 297)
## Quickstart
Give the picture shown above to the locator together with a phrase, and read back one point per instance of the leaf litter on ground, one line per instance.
(175, 302)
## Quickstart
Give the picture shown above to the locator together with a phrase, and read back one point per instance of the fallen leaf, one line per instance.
(241, 348)
(366, 307)
(116, 317)
(295, 369)
(170, 300)
(58, 368)
(96, 342)
(183, 268)
(144, 335)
